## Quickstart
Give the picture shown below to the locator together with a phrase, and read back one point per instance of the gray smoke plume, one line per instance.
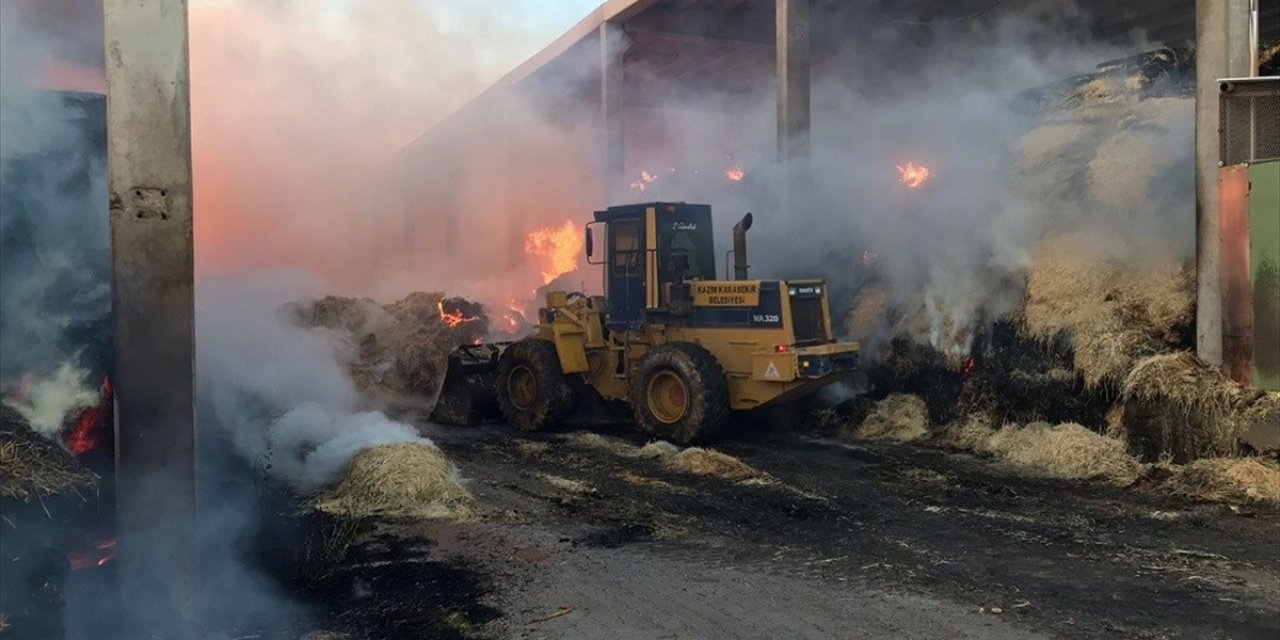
(55, 337)
(948, 96)
(277, 389)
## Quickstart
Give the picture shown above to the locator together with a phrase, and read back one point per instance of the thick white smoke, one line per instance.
(947, 97)
(54, 324)
(277, 389)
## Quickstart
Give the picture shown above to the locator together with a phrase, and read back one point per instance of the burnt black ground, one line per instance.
(849, 532)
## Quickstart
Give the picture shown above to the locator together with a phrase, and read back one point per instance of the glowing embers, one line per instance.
(101, 553)
(453, 315)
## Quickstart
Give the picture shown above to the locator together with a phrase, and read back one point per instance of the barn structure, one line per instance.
(727, 101)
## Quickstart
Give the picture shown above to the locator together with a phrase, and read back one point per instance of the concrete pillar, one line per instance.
(793, 44)
(1222, 51)
(149, 156)
(612, 47)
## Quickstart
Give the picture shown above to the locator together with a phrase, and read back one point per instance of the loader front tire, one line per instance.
(533, 393)
(680, 393)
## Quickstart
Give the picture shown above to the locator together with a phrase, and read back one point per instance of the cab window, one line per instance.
(626, 247)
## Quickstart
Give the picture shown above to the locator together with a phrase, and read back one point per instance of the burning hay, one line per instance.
(1114, 313)
(709, 462)
(1179, 406)
(47, 402)
(1224, 480)
(400, 349)
(898, 418)
(32, 467)
(407, 480)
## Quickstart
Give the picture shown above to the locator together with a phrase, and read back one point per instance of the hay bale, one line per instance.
(1114, 312)
(1067, 451)
(32, 467)
(709, 462)
(405, 480)
(898, 418)
(1224, 480)
(1178, 406)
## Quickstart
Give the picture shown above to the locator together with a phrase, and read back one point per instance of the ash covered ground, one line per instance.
(582, 536)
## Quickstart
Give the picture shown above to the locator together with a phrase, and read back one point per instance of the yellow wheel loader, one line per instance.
(681, 347)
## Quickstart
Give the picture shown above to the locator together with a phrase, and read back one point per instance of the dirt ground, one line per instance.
(579, 541)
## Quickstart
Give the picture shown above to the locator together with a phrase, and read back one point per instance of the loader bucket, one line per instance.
(469, 396)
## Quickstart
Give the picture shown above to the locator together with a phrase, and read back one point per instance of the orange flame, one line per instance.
(735, 173)
(556, 249)
(86, 430)
(645, 179)
(514, 316)
(452, 319)
(912, 175)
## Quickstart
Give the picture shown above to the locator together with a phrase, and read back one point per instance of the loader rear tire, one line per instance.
(680, 393)
(533, 393)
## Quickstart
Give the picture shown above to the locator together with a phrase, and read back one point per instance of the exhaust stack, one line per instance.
(740, 265)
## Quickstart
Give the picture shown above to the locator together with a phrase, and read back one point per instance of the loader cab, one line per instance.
(649, 246)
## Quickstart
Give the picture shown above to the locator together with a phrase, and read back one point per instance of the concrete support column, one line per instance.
(793, 44)
(612, 77)
(1222, 51)
(149, 155)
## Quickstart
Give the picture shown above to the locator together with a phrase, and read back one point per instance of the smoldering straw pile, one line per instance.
(1102, 328)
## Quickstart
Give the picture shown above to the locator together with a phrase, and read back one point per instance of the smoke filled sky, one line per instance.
(297, 106)
(298, 109)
